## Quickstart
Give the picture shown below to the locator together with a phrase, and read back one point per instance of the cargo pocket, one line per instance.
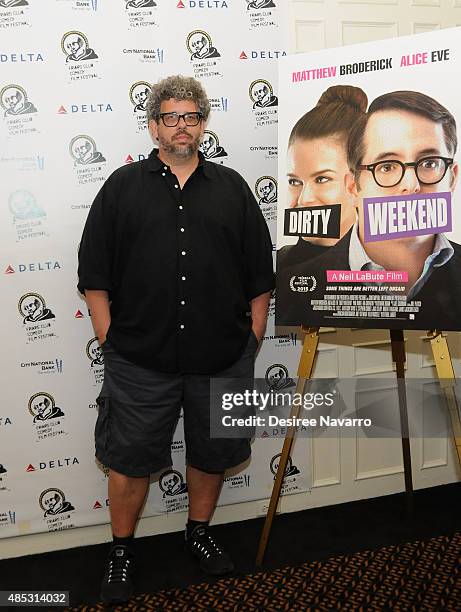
(101, 430)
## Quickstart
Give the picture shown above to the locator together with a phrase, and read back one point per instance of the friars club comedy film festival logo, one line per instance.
(141, 14)
(18, 111)
(47, 417)
(174, 490)
(266, 193)
(264, 103)
(96, 357)
(56, 509)
(139, 94)
(204, 56)
(81, 58)
(37, 318)
(89, 163)
(261, 14)
(211, 148)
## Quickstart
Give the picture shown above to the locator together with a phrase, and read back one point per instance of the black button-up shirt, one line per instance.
(180, 265)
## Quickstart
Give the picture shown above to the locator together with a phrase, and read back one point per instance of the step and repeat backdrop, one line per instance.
(74, 79)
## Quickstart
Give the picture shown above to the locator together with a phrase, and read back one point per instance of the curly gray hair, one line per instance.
(180, 88)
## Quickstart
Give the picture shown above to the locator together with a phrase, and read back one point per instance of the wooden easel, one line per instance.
(446, 376)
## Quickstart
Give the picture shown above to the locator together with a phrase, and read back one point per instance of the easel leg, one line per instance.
(306, 365)
(398, 356)
(446, 374)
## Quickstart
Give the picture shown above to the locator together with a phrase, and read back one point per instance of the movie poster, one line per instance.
(369, 220)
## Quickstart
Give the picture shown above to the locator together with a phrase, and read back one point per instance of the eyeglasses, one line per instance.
(390, 172)
(172, 119)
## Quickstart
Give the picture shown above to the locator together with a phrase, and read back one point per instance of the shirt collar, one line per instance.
(155, 164)
(441, 253)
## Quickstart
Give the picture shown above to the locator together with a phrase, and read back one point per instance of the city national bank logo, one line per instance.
(241, 481)
(96, 356)
(80, 57)
(14, 14)
(82, 5)
(50, 366)
(277, 377)
(264, 101)
(139, 94)
(19, 112)
(29, 219)
(7, 518)
(261, 14)
(25, 163)
(174, 490)
(47, 417)
(219, 104)
(140, 14)
(37, 318)
(146, 55)
(87, 159)
(266, 192)
(56, 510)
(203, 55)
(210, 146)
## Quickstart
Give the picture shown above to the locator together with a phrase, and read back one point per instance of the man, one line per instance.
(264, 96)
(178, 247)
(404, 145)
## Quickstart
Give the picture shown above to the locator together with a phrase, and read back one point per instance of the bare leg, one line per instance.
(126, 497)
(204, 491)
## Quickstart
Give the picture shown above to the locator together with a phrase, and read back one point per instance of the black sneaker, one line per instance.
(213, 560)
(117, 584)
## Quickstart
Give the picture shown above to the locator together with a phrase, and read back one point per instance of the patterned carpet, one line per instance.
(423, 575)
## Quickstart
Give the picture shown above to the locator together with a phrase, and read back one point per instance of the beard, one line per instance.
(181, 151)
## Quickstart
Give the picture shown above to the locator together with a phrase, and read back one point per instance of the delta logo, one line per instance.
(72, 109)
(202, 4)
(98, 505)
(261, 55)
(21, 57)
(40, 266)
(129, 159)
(52, 464)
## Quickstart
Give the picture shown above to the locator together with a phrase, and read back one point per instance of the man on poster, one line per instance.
(176, 265)
(404, 146)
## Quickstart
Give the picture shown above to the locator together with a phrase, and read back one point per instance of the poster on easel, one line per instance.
(368, 226)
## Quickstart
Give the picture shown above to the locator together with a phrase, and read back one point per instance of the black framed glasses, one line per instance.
(172, 119)
(390, 172)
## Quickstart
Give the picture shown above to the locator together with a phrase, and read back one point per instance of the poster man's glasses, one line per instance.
(390, 172)
(172, 119)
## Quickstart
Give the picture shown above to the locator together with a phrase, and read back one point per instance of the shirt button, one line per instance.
(165, 167)
(182, 302)
(182, 229)
(176, 186)
(183, 278)
(181, 326)
(163, 174)
(183, 252)
(180, 207)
